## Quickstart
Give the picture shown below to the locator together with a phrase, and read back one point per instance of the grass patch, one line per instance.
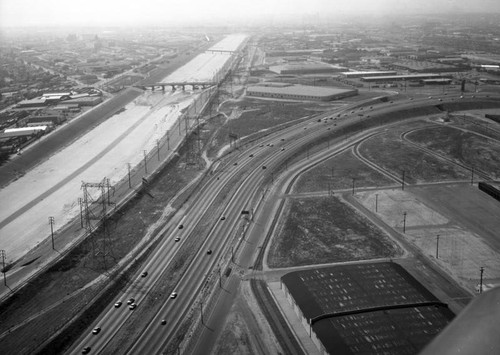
(392, 154)
(326, 230)
(337, 173)
(463, 147)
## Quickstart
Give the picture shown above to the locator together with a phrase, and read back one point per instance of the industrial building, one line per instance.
(360, 74)
(299, 92)
(403, 77)
(305, 68)
(85, 101)
(33, 103)
(365, 308)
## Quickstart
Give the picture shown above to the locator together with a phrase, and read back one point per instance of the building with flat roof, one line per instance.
(365, 308)
(84, 101)
(305, 68)
(299, 92)
(404, 77)
(36, 102)
(360, 74)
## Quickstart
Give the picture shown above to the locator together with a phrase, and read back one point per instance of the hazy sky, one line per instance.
(158, 12)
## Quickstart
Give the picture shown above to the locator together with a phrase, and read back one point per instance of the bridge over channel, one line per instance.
(174, 85)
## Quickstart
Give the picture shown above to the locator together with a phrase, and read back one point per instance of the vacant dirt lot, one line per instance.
(326, 230)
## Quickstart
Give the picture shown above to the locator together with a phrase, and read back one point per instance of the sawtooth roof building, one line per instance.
(367, 308)
(299, 92)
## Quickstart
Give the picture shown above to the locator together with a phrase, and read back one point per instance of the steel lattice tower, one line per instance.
(96, 202)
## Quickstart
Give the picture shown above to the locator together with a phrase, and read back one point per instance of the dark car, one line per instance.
(86, 350)
(96, 330)
(118, 304)
(177, 239)
(163, 322)
(130, 301)
(209, 251)
(144, 274)
(132, 306)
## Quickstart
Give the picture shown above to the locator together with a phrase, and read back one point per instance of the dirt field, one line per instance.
(452, 213)
(337, 173)
(246, 330)
(326, 230)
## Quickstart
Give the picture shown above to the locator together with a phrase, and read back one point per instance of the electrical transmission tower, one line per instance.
(96, 202)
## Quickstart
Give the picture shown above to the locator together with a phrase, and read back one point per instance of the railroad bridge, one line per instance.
(175, 85)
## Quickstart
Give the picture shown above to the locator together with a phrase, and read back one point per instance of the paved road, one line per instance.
(156, 337)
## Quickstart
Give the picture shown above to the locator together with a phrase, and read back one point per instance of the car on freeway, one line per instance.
(251, 155)
(235, 163)
(86, 350)
(130, 301)
(177, 239)
(132, 306)
(223, 218)
(282, 139)
(209, 251)
(282, 149)
(118, 304)
(173, 295)
(181, 226)
(96, 330)
(163, 322)
(144, 274)
(261, 145)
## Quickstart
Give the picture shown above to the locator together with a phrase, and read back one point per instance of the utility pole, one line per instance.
(480, 280)
(201, 311)
(129, 181)
(51, 223)
(404, 222)
(3, 255)
(437, 246)
(145, 162)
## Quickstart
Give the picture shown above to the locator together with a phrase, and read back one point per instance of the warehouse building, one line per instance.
(360, 74)
(33, 103)
(85, 101)
(299, 92)
(365, 309)
(403, 77)
(305, 68)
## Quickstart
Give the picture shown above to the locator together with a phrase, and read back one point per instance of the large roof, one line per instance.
(299, 90)
(362, 308)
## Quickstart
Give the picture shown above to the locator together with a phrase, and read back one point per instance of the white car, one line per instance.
(173, 295)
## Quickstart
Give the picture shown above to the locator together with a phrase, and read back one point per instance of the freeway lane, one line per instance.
(150, 343)
(196, 275)
(112, 320)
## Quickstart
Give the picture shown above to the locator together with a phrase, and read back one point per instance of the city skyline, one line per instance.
(27, 13)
